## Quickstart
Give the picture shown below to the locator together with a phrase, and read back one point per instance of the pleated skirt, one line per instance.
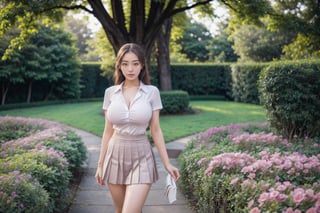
(129, 160)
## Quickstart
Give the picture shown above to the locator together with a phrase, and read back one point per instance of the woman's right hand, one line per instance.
(99, 176)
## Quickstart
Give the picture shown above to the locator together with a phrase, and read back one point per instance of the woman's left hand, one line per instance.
(173, 171)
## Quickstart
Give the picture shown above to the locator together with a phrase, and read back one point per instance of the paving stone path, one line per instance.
(91, 198)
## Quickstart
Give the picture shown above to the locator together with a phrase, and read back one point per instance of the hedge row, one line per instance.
(37, 163)
(290, 92)
(231, 81)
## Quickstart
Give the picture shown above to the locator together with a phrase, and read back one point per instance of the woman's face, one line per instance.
(130, 66)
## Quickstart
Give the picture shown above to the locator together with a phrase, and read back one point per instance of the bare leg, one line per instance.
(136, 195)
(118, 194)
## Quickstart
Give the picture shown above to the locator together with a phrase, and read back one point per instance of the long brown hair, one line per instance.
(138, 51)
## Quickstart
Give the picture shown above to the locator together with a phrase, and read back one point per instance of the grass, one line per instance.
(87, 116)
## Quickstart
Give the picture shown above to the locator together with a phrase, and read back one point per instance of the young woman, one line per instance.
(126, 162)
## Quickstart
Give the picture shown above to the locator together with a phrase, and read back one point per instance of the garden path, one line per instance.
(91, 198)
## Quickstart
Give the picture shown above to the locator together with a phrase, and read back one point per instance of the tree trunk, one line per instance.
(29, 91)
(49, 93)
(4, 92)
(142, 29)
(163, 55)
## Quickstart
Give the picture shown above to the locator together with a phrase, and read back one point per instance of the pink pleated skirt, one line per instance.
(129, 160)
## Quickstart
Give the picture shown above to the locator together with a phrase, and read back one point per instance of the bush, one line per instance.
(72, 148)
(245, 82)
(174, 102)
(245, 168)
(49, 168)
(19, 192)
(202, 79)
(49, 154)
(290, 92)
(11, 129)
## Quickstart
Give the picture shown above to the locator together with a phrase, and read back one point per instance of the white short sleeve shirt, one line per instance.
(133, 120)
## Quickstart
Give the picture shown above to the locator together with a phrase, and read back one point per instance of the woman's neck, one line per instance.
(131, 84)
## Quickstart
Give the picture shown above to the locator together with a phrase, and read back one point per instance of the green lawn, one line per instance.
(87, 116)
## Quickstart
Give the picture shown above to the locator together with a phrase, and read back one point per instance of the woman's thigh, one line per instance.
(118, 195)
(136, 195)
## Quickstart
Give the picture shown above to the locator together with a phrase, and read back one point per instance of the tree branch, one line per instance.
(181, 9)
(117, 11)
(72, 7)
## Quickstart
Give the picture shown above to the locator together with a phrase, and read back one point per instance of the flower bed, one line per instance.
(245, 168)
(37, 167)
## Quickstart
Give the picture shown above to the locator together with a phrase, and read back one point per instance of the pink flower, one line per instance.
(263, 197)
(288, 210)
(282, 197)
(273, 195)
(265, 186)
(252, 175)
(311, 210)
(298, 195)
(202, 160)
(255, 210)
(250, 204)
(281, 188)
(310, 193)
(234, 181)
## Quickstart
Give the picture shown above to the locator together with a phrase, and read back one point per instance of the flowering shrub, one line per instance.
(49, 152)
(20, 192)
(16, 128)
(241, 168)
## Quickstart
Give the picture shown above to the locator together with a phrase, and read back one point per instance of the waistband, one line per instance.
(129, 137)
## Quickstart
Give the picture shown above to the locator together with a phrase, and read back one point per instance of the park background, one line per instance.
(258, 62)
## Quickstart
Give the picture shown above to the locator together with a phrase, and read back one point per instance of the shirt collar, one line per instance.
(143, 87)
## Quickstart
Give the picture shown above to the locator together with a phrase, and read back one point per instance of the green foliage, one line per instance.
(12, 129)
(47, 152)
(232, 168)
(220, 49)
(93, 84)
(46, 169)
(297, 22)
(195, 41)
(27, 17)
(245, 82)
(257, 44)
(47, 64)
(22, 193)
(72, 148)
(202, 79)
(297, 49)
(174, 102)
(290, 94)
(83, 34)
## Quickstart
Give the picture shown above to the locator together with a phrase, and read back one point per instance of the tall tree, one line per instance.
(257, 44)
(195, 42)
(298, 18)
(82, 32)
(141, 26)
(50, 57)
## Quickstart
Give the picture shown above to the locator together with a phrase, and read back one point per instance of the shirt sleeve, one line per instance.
(156, 99)
(106, 100)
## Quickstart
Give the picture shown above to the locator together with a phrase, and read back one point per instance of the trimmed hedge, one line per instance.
(202, 79)
(174, 102)
(93, 84)
(245, 79)
(290, 92)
